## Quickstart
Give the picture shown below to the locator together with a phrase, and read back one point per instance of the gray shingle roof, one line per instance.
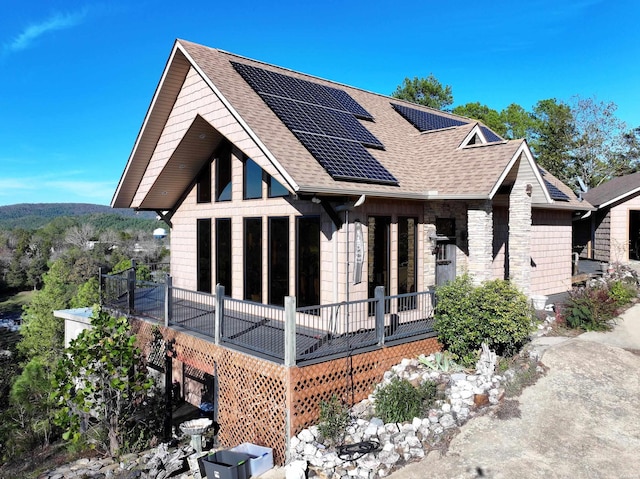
(617, 188)
(426, 164)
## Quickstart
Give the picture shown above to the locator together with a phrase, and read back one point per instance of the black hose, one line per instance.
(352, 452)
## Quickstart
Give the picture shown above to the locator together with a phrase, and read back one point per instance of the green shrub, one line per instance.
(400, 401)
(622, 292)
(334, 419)
(494, 312)
(590, 308)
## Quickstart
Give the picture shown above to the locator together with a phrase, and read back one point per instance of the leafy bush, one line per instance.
(102, 382)
(400, 401)
(622, 292)
(590, 308)
(495, 312)
(334, 419)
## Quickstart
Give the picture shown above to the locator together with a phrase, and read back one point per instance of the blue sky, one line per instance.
(76, 77)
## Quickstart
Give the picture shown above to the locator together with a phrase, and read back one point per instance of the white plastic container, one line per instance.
(539, 301)
(261, 457)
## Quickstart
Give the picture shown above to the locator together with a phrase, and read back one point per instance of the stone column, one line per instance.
(480, 231)
(520, 236)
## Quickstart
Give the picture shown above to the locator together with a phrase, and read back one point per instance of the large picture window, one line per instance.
(204, 184)
(253, 259)
(407, 260)
(223, 174)
(275, 189)
(204, 255)
(252, 188)
(308, 261)
(278, 260)
(378, 254)
(223, 253)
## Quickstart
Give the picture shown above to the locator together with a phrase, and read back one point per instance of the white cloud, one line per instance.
(58, 21)
(83, 189)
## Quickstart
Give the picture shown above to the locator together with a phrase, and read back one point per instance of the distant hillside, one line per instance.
(36, 215)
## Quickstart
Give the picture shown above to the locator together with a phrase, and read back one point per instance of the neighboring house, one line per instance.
(612, 232)
(285, 188)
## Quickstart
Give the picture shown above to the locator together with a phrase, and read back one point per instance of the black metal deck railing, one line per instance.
(284, 334)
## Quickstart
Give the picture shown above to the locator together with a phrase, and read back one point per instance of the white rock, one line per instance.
(447, 421)
(446, 408)
(306, 436)
(310, 450)
(296, 470)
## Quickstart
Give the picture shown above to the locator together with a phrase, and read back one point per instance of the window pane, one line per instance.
(253, 259)
(278, 260)
(275, 188)
(308, 267)
(204, 255)
(252, 180)
(407, 261)
(223, 253)
(223, 174)
(378, 254)
(204, 184)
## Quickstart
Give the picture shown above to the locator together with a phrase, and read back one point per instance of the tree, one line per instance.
(628, 160)
(486, 115)
(425, 91)
(600, 142)
(80, 236)
(42, 333)
(103, 377)
(518, 123)
(32, 406)
(554, 138)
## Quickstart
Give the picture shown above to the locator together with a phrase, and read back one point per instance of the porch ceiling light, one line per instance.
(202, 136)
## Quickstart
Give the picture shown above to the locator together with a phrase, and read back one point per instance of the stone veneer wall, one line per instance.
(480, 227)
(520, 237)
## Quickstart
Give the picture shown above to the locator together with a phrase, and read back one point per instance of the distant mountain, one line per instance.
(36, 215)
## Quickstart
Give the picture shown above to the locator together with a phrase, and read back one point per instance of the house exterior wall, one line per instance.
(550, 251)
(433, 210)
(602, 235)
(619, 228)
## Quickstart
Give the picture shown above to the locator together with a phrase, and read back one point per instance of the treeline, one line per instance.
(37, 215)
(26, 253)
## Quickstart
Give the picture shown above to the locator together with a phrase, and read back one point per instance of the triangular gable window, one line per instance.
(475, 137)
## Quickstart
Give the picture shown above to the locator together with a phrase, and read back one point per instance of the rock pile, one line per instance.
(462, 396)
(159, 463)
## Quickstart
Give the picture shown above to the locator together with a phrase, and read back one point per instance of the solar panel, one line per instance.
(272, 83)
(555, 193)
(345, 160)
(324, 120)
(490, 135)
(553, 190)
(426, 121)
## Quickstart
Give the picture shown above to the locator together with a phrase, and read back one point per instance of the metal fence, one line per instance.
(310, 333)
(340, 328)
(254, 326)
